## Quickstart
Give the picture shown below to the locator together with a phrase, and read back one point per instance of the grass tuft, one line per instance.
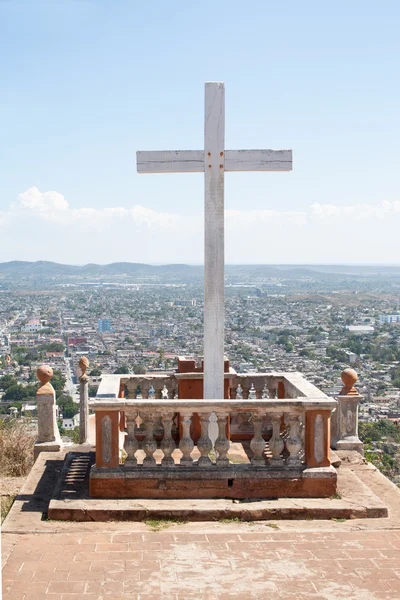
(6, 504)
(159, 524)
(230, 520)
(16, 448)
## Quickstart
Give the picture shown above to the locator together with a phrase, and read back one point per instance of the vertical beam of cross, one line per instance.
(214, 311)
(213, 162)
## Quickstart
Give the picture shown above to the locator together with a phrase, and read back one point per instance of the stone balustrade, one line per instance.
(145, 386)
(174, 447)
(289, 448)
(244, 385)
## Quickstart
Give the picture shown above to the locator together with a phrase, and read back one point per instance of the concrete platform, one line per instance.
(286, 559)
(70, 502)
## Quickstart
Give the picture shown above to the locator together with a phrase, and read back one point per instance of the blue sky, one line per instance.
(84, 84)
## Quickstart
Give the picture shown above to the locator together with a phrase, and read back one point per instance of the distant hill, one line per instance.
(52, 269)
(47, 269)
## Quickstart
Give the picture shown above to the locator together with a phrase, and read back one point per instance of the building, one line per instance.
(32, 326)
(103, 325)
(71, 423)
(76, 341)
(360, 329)
(389, 318)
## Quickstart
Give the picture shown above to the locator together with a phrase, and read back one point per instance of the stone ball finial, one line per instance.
(44, 374)
(83, 364)
(349, 377)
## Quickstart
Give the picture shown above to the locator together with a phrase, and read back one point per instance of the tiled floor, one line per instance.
(351, 565)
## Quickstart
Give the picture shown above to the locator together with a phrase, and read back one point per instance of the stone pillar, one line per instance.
(107, 438)
(49, 439)
(317, 441)
(84, 402)
(345, 427)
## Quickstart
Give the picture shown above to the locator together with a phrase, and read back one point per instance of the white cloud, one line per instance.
(357, 212)
(141, 234)
(33, 199)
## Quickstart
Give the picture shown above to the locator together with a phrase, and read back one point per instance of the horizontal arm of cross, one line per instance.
(192, 161)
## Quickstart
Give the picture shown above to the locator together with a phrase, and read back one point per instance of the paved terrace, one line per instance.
(281, 559)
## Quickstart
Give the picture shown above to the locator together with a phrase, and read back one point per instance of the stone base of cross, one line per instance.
(213, 161)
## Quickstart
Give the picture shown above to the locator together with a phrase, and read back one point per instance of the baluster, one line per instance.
(293, 442)
(152, 393)
(186, 444)
(130, 443)
(175, 393)
(221, 443)
(276, 444)
(144, 386)
(204, 444)
(257, 444)
(252, 392)
(164, 393)
(138, 393)
(265, 393)
(167, 443)
(239, 392)
(149, 443)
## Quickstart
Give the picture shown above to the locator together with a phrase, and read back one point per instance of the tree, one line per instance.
(67, 406)
(121, 370)
(20, 392)
(93, 391)
(58, 382)
(7, 381)
(95, 372)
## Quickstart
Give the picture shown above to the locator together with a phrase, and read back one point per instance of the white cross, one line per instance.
(213, 161)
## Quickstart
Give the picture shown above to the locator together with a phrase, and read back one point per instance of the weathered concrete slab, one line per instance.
(70, 501)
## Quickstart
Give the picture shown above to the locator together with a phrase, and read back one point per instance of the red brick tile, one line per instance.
(149, 545)
(103, 587)
(17, 575)
(116, 547)
(32, 586)
(46, 576)
(352, 564)
(14, 565)
(88, 556)
(126, 538)
(376, 585)
(80, 597)
(67, 587)
(39, 565)
(108, 566)
(184, 538)
(40, 596)
(65, 539)
(389, 553)
(122, 556)
(372, 574)
(80, 565)
(84, 575)
(394, 584)
(387, 563)
(97, 538)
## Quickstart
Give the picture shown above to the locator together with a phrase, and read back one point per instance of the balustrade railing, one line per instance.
(292, 422)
